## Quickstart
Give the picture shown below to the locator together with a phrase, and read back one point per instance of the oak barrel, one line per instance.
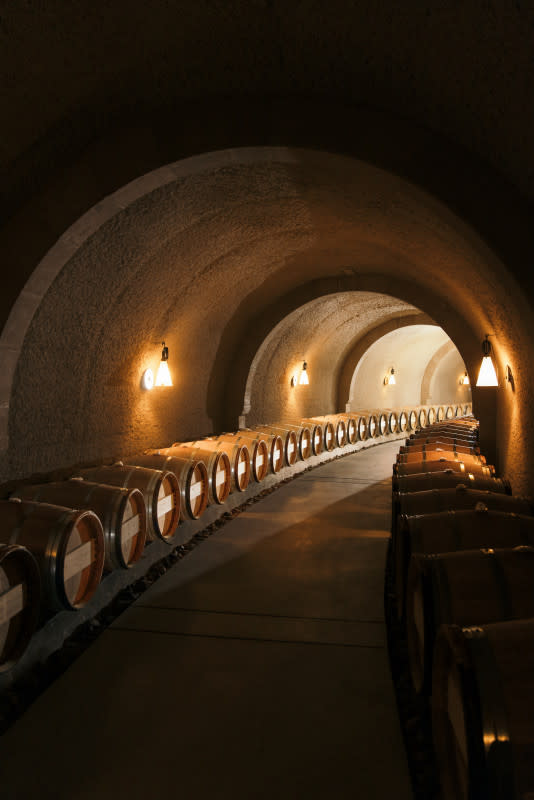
(456, 498)
(483, 711)
(448, 479)
(450, 531)
(20, 601)
(340, 428)
(403, 421)
(473, 587)
(289, 439)
(159, 488)
(444, 464)
(351, 423)
(444, 444)
(422, 418)
(413, 421)
(219, 474)
(237, 452)
(192, 473)
(393, 422)
(258, 449)
(122, 513)
(431, 416)
(328, 432)
(67, 545)
(440, 454)
(304, 439)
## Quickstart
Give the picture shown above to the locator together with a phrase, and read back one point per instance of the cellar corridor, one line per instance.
(256, 667)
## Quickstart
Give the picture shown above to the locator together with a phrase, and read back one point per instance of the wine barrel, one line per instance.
(413, 420)
(448, 479)
(393, 422)
(458, 498)
(449, 439)
(444, 464)
(304, 439)
(383, 423)
(422, 445)
(122, 513)
(288, 437)
(20, 600)
(239, 456)
(449, 412)
(217, 465)
(275, 446)
(422, 418)
(431, 416)
(329, 434)
(449, 531)
(340, 427)
(160, 491)
(317, 433)
(258, 449)
(351, 424)
(416, 456)
(473, 587)
(190, 464)
(67, 545)
(403, 421)
(363, 427)
(440, 414)
(482, 711)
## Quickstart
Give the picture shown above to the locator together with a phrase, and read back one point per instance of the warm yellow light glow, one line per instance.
(487, 375)
(389, 380)
(464, 380)
(163, 378)
(304, 380)
(148, 379)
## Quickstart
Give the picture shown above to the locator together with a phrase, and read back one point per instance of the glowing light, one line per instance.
(464, 380)
(304, 380)
(390, 380)
(487, 375)
(148, 379)
(163, 377)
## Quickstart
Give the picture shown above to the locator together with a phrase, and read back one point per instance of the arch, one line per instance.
(363, 343)
(285, 226)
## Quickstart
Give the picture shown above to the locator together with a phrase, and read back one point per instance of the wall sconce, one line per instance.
(147, 381)
(487, 375)
(303, 380)
(464, 380)
(163, 377)
(389, 380)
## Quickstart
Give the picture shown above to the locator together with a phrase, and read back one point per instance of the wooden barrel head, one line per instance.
(383, 424)
(392, 422)
(364, 427)
(131, 534)
(20, 594)
(403, 421)
(422, 418)
(80, 560)
(412, 420)
(195, 490)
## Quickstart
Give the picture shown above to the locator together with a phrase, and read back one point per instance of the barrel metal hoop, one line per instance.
(495, 728)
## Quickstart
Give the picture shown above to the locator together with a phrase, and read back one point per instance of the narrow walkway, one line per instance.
(255, 668)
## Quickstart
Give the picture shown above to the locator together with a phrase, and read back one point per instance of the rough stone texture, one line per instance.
(211, 261)
(320, 333)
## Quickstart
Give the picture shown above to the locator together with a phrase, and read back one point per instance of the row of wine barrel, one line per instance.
(463, 565)
(100, 519)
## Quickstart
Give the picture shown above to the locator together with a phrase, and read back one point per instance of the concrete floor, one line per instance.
(255, 668)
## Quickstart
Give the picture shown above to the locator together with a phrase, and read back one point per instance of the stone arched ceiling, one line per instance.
(320, 332)
(408, 351)
(210, 254)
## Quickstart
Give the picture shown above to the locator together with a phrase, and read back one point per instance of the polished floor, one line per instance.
(256, 667)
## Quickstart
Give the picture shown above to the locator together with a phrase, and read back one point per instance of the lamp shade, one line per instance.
(163, 376)
(487, 375)
(304, 380)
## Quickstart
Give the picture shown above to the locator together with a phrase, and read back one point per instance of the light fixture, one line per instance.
(304, 380)
(389, 380)
(147, 380)
(163, 378)
(487, 375)
(464, 380)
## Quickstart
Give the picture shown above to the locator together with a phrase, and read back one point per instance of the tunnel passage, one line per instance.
(210, 254)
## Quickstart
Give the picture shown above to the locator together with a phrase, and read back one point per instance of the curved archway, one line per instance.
(209, 254)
